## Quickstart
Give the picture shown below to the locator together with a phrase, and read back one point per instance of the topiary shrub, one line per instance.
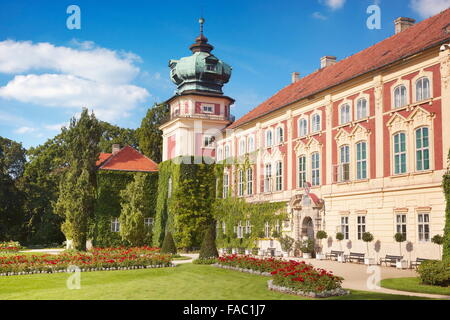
(367, 237)
(208, 249)
(168, 245)
(439, 240)
(435, 272)
(400, 237)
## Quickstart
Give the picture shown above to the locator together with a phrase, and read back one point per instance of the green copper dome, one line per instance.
(201, 71)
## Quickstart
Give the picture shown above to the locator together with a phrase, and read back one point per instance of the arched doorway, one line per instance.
(308, 228)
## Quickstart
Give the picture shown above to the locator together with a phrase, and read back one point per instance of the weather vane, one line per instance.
(201, 21)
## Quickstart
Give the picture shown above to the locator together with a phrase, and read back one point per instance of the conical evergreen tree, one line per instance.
(208, 249)
(168, 245)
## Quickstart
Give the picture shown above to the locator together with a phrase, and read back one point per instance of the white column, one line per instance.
(444, 57)
(379, 126)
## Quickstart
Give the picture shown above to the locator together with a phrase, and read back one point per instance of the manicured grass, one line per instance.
(413, 285)
(187, 281)
(181, 258)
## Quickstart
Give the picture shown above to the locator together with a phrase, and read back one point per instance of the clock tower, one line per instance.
(199, 110)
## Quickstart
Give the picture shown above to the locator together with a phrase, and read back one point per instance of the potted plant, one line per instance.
(307, 248)
(439, 240)
(400, 237)
(321, 235)
(367, 237)
(339, 238)
(286, 243)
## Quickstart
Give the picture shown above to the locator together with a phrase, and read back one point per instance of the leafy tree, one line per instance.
(439, 240)
(367, 237)
(77, 190)
(208, 249)
(168, 245)
(12, 160)
(149, 135)
(400, 237)
(112, 134)
(131, 219)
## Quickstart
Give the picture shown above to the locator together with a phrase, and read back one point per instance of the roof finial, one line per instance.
(201, 21)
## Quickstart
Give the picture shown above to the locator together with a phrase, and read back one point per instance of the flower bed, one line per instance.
(291, 275)
(97, 259)
(10, 246)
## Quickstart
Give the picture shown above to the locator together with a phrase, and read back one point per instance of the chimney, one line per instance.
(295, 77)
(115, 148)
(402, 23)
(327, 61)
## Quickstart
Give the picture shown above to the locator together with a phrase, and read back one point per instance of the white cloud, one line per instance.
(83, 76)
(23, 130)
(333, 4)
(56, 127)
(319, 16)
(109, 101)
(89, 62)
(428, 8)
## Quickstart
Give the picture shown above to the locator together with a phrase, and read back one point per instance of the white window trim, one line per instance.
(397, 84)
(367, 98)
(306, 121)
(367, 160)
(422, 74)
(350, 108)
(407, 152)
(317, 113)
(277, 135)
(267, 145)
(429, 226)
(251, 138)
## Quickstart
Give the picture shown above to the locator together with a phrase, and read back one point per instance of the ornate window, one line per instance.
(316, 127)
(227, 151)
(344, 166)
(400, 96)
(279, 176)
(361, 109)
(345, 113)
(242, 146)
(302, 127)
(361, 224)
(400, 153)
(361, 160)
(280, 135)
(269, 138)
(249, 181)
(301, 171)
(424, 226)
(250, 144)
(241, 183)
(315, 169)
(422, 149)
(268, 178)
(225, 185)
(423, 89)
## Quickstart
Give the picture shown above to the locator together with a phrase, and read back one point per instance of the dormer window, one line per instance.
(210, 67)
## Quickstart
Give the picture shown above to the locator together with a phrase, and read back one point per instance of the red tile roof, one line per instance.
(127, 159)
(426, 34)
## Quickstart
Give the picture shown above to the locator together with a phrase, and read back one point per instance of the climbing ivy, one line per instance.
(446, 185)
(108, 205)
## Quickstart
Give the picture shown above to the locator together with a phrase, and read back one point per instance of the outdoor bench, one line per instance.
(392, 260)
(333, 254)
(417, 262)
(354, 256)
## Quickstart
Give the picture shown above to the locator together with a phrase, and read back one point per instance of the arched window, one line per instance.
(361, 109)
(400, 153)
(422, 89)
(315, 168)
(269, 138)
(280, 135)
(301, 171)
(219, 154)
(361, 160)
(316, 123)
(251, 144)
(302, 127)
(345, 113)
(400, 98)
(268, 178)
(422, 149)
(242, 147)
(344, 163)
(227, 151)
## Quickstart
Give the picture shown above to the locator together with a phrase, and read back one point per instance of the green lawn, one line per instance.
(187, 281)
(413, 285)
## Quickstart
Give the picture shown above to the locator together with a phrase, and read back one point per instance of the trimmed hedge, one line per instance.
(435, 272)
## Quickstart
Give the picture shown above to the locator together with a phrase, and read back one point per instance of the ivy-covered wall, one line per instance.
(108, 206)
(446, 185)
(186, 192)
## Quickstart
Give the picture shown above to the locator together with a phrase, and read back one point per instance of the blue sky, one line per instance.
(117, 64)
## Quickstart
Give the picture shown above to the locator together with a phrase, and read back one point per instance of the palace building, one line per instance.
(360, 145)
